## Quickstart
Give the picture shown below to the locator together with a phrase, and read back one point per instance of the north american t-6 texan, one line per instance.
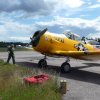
(68, 45)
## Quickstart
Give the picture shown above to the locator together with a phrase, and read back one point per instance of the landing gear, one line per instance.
(65, 67)
(42, 63)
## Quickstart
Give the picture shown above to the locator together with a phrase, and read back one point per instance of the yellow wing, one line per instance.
(89, 55)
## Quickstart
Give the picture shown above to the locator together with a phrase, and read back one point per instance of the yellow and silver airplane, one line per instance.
(65, 45)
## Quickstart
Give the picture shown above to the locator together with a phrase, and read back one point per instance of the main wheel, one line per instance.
(42, 63)
(65, 67)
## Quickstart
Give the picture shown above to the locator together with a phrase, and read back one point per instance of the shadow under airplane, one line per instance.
(76, 73)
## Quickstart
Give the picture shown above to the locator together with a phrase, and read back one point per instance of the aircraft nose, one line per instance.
(36, 37)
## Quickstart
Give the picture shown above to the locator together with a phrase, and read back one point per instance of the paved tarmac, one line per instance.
(83, 81)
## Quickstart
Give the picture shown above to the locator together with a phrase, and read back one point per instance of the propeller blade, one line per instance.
(43, 31)
(36, 37)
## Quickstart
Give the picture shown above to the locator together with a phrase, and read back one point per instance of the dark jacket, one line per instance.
(10, 50)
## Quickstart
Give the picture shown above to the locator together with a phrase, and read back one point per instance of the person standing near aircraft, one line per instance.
(11, 53)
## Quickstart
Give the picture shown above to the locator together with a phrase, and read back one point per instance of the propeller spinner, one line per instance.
(36, 37)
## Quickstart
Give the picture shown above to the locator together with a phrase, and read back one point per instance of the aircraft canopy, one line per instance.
(72, 36)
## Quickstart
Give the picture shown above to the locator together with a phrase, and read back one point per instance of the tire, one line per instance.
(65, 67)
(42, 63)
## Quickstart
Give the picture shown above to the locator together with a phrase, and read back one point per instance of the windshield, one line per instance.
(72, 36)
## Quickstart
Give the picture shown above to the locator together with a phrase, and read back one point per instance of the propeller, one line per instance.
(36, 37)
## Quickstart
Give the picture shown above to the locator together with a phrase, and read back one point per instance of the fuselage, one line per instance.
(51, 41)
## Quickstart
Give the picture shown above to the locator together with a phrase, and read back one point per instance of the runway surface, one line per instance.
(83, 81)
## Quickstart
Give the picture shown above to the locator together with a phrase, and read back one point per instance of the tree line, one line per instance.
(97, 39)
(5, 44)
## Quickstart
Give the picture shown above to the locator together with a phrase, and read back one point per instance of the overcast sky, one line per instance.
(19, 19)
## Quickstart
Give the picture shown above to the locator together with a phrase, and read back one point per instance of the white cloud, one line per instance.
(84, 15)
(92, 35)
(11, 30)
(77, 25)
(95, 6)
(30, 11)
(78, 22)
(21, 39)
(39, 7)
(67, 3)
(18, 27)
(73, 3)
(3, 31)
(89, 3)
(68, 7)
(15, 31)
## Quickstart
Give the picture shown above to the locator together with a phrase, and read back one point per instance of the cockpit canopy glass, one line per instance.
(72, 36)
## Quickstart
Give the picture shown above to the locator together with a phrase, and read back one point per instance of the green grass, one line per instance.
(12, 86)
(16, 49)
